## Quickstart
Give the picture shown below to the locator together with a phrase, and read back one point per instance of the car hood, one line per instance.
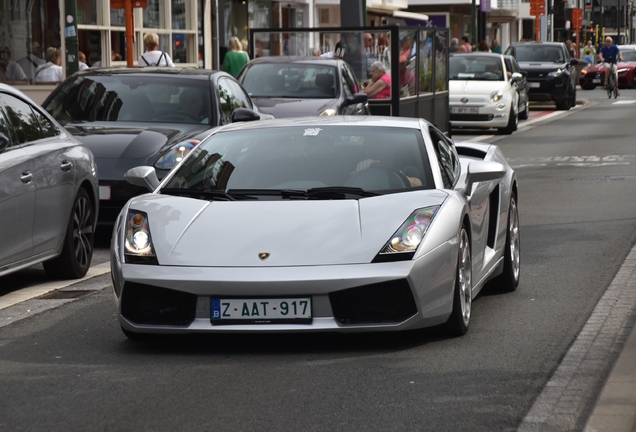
(459, 87)
(541, 66)
(120, 146)
(285, 107)
(619, 65)
(191, 232)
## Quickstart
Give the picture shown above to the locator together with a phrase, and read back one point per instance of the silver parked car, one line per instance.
(48, 191)
(317, 224)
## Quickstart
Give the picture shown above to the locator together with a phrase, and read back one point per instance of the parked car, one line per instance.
(482, 95)
(521, 85)
(302, 86)
(48, 192)
(594, 75)
(317, 224)
(155, 116)
(550, 71)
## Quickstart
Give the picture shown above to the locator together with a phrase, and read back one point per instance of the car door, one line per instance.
(17, 193)
(349, 76)
(521, 86)
(54, 176)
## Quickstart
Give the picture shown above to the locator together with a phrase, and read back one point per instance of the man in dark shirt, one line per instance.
(609, 54)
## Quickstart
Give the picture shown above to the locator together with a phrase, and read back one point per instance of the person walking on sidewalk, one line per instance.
(236, 58)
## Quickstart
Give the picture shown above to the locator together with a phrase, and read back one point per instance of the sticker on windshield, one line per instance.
(312, 132)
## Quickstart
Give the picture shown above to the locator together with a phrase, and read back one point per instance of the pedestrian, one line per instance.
(9, 70)
(453, 45)
(153, 56)
(32, 60)
(236, 58)
(495, 47)
(570, 46)
(51, 71)
(483, 46)
(81, 60)
(589, 49)
(466, 44)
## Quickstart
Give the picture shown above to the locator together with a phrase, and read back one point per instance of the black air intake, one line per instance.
(151, 305)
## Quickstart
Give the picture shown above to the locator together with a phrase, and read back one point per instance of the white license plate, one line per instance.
(464, 110)
(260, 310)
(104, 193)
(596, 81)
(535, 85)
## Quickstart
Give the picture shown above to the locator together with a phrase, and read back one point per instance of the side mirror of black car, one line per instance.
(4, 142)
(243, 115)
(357, 98)
(574, 62)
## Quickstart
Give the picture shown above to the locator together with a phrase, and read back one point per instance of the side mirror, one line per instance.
(357, 98)
(574, 62)
(4, 142)
(144, 176)
(479, 171)
(516, 76)
(243, 115)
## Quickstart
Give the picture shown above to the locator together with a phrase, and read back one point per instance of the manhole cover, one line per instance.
(64, 295)
(606, 179)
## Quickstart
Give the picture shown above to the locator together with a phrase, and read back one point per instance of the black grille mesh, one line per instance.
(385, 302)
(147, 304)
(471, 117)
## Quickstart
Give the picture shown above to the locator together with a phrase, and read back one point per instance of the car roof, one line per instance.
(627, 47)
(317, 121)
(537, 43)
(475, 54)
(10, 89)
(188, 73)
(297, 59)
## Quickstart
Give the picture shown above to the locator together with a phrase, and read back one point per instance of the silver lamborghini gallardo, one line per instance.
(317, 224)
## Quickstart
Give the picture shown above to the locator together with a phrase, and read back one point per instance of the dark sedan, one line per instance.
(150, 116)
(303, 86)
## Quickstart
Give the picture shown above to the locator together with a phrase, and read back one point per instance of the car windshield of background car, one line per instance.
(303, 158)
(475, 68)
(629, 55)
(144, 99)
(539, 54)
(300, 81)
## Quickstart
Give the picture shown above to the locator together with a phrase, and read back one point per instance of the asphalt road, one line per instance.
(71, 368)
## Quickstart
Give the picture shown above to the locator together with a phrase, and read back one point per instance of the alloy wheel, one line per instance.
(465, 277)
(82, 231)
(515, 241)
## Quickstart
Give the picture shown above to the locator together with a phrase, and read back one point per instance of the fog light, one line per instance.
(501, 106)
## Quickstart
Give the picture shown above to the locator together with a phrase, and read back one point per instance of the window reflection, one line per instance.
(152, 18)
(23, 120)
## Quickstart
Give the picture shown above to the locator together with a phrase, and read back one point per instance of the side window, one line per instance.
(351, 78)
(48, 129)
(21, 117)
(227, 101)
(4, 127)
(447, 158)
(515, 66)
(346, 86)
(243, 100)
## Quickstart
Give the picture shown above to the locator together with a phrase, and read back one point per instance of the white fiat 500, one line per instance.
(483, 92)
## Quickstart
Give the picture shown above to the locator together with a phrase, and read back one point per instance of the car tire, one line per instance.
(508, 281)
(573, 98)
(589, 87)
(513, 122)
(77, 251)
(633, 83)
(565, 103)
(459, 320)
(525, 113)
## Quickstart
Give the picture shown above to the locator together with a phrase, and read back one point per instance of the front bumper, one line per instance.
(488, 117)
(545, 88)
(429, 283)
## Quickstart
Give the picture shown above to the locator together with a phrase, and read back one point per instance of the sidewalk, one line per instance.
(615, 410)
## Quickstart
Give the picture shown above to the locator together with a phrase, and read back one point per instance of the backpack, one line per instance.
(162, 56)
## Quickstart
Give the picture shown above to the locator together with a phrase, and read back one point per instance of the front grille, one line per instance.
(385, 302)
(471, 117)
(147, 304)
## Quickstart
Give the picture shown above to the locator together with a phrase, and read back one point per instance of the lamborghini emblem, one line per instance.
(263, 255)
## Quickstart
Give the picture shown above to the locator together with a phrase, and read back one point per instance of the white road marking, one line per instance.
(624, 102)
(43, 288)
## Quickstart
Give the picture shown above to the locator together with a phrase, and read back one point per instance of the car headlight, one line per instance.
(138, 247)
(329, 112)
(555, 73)
(496, 96)
(407, 238)
(583, 71)
(176, 154)
(623, 70)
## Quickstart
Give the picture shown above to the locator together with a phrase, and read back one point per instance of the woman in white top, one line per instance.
(51, 71)
(154, 57)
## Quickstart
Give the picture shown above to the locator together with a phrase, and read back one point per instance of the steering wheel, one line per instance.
(406, 183)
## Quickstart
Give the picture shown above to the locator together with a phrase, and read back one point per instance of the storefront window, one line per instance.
(27, 33)
(152, 18)
(179, 48)
(87, 12)
(117, 18)
(441, 43)
(90, 43)
(118, 45)
(179, 15)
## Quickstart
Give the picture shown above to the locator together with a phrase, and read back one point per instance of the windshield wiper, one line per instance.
(215, 195)
(327, 192)
(324, 192)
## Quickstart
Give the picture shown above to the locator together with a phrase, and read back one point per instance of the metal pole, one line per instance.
(618, 23)
(474, 22)
(72, 46)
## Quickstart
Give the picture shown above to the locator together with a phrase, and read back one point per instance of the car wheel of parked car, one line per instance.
(508, 281)
(457, 324)
(573, 98)
(565, 103)
(523, 115)
(513, 122)
(592, 87)
(77, 252)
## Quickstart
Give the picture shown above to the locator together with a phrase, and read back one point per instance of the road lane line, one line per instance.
(24, 294)
(624, 102)
(561, 404)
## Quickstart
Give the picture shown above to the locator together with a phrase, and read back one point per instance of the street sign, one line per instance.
(577, 18)
(537, 7)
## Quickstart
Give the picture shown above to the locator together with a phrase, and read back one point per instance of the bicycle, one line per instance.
(612, 87)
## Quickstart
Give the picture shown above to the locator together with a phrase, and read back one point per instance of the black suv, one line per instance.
(550, 71)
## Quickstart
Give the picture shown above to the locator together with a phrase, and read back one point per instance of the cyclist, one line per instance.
(609, 54)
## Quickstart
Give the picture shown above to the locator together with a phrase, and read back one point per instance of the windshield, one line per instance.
(629, 55)
(294, 159)
(478, 68)
(295, 80)
(132, 98)
(539, 54)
